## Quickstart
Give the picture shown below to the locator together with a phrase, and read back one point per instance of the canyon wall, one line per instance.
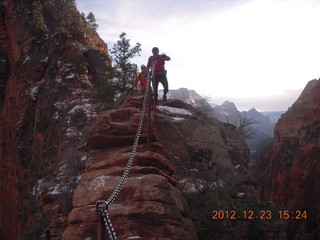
(45, 102)
(292, 178)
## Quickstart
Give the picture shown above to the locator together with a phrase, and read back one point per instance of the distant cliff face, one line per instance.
(46, 73)
(292, 180)
(189, 96)
(262, 127)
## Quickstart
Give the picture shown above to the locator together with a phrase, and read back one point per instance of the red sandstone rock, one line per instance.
(36, 128)
(292, 180)
(149, 204)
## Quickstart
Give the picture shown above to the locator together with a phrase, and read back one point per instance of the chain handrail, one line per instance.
(101, 205)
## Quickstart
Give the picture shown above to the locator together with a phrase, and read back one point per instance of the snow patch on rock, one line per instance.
(173, 110)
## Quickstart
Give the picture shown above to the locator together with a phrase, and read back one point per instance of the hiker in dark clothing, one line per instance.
(160, 74)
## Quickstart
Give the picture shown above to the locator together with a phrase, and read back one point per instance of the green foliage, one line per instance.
(216, 192)
(47, 12)
(92, 21)
(222, 194)
(123, 71)
(105, 92)
(62, 29)
(69, 17)
(49, 3)
(77, 61)
(37, 18)
(201, 205)
(105, 88)
(220, 198)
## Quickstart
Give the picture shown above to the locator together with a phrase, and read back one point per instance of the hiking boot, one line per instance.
(164, 98)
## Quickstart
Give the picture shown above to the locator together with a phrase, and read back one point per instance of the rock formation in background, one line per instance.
(292, 177)
(49, 60)
(260, 127)
(273, 116)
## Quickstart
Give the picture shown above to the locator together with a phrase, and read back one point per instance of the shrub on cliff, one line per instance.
(105, 93)
(69, 18)
(123, 71)
(92, 21)
(77, 62)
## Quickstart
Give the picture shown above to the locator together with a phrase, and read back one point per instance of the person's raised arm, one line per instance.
(165, 57)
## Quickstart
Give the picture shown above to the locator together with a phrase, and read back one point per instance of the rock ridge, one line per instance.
(149, 204)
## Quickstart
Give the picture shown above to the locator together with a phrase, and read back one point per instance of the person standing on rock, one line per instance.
(160, 74)
(142, 78)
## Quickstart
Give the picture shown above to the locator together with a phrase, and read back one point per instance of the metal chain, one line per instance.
(103, 206)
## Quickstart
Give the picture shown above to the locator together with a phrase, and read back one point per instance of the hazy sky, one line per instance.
(256, 53)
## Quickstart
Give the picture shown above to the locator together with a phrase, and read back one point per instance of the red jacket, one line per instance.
(158, 62)
(142, 78)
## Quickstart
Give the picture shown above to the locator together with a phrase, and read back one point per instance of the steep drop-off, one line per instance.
(45, 102)
(292, 178)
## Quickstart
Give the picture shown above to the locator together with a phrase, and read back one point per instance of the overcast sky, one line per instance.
(255, 53)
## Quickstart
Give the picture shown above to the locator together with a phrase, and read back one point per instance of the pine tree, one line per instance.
(77, 62)
(92, 21)
(123, 71)
(70, 17)
(48, 6)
